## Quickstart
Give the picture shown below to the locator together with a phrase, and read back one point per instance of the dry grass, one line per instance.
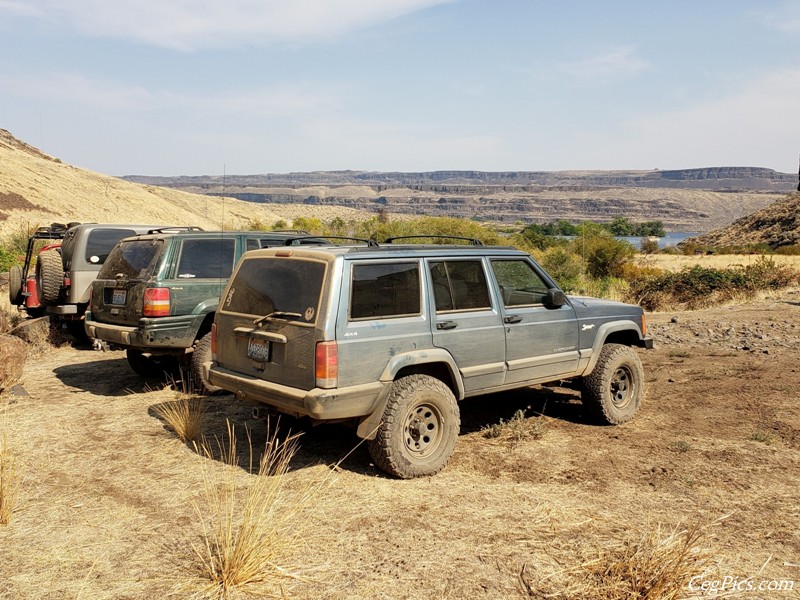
(657, 566)
(677, 262)
(516, 429)
(9, 473)
(248, 526)
(186, 416)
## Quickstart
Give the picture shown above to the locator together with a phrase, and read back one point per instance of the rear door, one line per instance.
(199, 270)
(466, 322)
(541, 341)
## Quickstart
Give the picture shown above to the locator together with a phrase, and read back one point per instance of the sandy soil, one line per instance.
(107, 506)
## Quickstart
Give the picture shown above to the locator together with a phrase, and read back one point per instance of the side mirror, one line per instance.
(554, 298)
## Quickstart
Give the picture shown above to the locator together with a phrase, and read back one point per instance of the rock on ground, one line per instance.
(13, 352)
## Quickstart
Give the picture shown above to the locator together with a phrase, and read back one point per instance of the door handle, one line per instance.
(446, 325)
(512, 319)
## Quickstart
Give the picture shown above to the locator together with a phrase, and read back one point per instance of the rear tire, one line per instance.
(201, 354)
(49, 277)
(419, 429)
(15, 286)
(150, 366)
(613, 391)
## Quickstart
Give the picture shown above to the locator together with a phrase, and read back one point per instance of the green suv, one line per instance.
(391, 337)
(156, 294)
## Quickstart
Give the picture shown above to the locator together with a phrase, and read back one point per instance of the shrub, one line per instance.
(605, 255)
(563, 266)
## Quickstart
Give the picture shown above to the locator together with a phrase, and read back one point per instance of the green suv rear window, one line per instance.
(268, 285)
(134, 260)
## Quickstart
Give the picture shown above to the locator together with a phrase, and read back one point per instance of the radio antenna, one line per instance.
(222, 216)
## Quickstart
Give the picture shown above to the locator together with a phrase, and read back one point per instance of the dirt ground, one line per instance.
(108, 503)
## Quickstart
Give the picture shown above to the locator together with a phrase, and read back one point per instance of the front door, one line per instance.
(541, 341)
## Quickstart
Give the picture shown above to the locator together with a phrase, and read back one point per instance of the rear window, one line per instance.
(207, 258)
(134, 260)
(267, 285)
(101, 241)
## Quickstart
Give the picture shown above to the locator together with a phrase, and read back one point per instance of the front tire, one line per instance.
(613, 391)
(419, 428)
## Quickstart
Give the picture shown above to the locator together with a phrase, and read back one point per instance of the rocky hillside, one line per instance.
(688, 200)
(776, 225)
(37, 189)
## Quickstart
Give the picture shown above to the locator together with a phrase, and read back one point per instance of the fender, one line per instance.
(368, 426)
(590, 355)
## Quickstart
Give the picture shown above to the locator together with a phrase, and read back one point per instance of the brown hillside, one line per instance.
(776, 225)
(37, 189)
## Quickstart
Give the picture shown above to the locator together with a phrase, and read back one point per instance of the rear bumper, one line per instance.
(162, 332)
(339, 403)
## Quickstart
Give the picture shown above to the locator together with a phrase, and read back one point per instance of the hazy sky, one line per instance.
(201, 87)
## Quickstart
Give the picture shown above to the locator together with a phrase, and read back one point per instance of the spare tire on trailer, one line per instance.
(49, 276)
(15, 286)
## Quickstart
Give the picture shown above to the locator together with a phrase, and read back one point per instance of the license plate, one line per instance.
(119, 296)
(258, 350)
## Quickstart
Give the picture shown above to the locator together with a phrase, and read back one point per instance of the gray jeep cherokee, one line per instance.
(391, 337)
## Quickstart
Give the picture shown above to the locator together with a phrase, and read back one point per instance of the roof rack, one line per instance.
(371, 243)
(297, 231)
(174, 229)
(472, 241)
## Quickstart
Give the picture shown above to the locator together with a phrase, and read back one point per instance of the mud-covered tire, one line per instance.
(49, 277)
(419, 428)
(201, 354)
(613, 391)
(158, 366)
(15, 296)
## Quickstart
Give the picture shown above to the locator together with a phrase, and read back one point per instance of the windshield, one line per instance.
(269, 285)
(133, 260)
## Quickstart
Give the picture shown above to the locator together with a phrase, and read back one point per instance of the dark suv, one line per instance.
(156, 294)
(391, 337)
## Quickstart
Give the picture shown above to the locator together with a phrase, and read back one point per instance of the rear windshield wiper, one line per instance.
(277, 314)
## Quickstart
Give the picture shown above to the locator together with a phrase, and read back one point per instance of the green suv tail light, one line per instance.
(327, 365)
(156, 302)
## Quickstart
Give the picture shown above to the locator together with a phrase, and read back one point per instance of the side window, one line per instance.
(384, 290)
(520, 284)
(459, 285)
(251, 244)
(206, 258)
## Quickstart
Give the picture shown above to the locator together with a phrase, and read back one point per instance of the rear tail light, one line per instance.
(156, 302)
(327, 365)
(644, 325)
(214, 341)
